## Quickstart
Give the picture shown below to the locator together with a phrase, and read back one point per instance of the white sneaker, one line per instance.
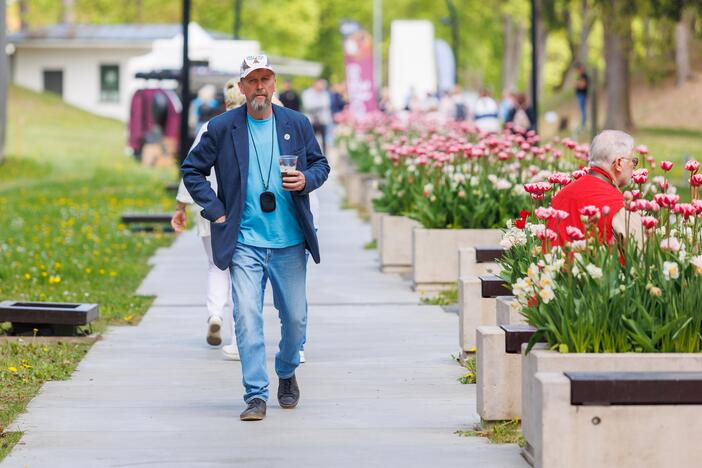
(302, 357)
(231, 352)
(214, 330)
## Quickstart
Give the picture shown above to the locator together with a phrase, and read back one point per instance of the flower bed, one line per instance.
(594, 296)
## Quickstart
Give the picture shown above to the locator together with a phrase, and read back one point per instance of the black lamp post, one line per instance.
(3, 82)
(237, 18)
(535, 63)
(185, 86)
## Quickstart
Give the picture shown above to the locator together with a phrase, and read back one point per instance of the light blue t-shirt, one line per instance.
(279, 228)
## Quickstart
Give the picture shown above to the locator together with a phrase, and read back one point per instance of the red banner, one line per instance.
(360, 85)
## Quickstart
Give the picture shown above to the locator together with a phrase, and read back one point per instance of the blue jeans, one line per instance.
(582, 99)
(287, 270)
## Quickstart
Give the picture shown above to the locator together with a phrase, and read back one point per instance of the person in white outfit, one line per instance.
(218, 281)
(486, 113)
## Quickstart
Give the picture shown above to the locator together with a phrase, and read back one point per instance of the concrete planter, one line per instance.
(628, 433)
(435, 254)
(498, 389)
(370, 193)
(473, 311)
(374, 218)
(355, 188)
(467, 266)
(395, 243)
(506, 314)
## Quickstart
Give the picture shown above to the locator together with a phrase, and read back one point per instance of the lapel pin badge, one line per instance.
(286, 136)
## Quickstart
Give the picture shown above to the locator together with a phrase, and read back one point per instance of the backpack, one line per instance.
(521, 119)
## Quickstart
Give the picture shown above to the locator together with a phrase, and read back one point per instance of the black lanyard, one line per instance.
(267, 183)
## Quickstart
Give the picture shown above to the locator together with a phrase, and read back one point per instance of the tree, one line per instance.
(616, 22)
(3, 81)
(512, 40)
(577, 39)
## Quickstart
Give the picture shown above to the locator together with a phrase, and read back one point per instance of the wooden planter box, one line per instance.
(395, 243)
(435, 254)
(560, 434)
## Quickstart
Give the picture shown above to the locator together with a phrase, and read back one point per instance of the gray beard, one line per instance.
(259, 107)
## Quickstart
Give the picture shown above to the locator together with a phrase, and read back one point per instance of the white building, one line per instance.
(93, 66)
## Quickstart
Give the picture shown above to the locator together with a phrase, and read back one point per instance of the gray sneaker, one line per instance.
(288, 392)
(255, 410)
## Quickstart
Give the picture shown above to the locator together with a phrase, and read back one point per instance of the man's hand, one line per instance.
(179, 219)
(294, 181)
(220, 220)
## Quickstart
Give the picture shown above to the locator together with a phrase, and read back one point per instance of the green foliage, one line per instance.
(471, 367)
(442, 298)
(497, 432)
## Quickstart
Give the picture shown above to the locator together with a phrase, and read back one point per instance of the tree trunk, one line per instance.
(682, 52)
(580, 49)
(3, 83)
(617, 44)
(68, 12)
(512, 37)
(24, 14)
(542, 38)
(139, 5)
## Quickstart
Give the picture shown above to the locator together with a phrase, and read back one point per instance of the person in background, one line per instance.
(218, 281)
(316, 103)
(289, 97)
(485, 113)
(522, 115)
(581, 88)
(338, 99)
(612, 162)
(506, 105)
(204, 107)
(384, 103)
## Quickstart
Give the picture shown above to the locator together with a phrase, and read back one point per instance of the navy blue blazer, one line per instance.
(225, 146)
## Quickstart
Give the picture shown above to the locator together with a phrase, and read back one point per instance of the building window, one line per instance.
(109, 83)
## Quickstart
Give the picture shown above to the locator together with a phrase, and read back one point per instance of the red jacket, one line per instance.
(587, 190)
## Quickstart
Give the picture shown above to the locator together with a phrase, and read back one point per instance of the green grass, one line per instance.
(7, 441)
(442, 298)
(500, 432)
(63, 189)
(23, 369)
(471, 368)
(372, 245)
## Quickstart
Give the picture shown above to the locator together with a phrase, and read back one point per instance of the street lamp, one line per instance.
(185, 86)
(535, 63)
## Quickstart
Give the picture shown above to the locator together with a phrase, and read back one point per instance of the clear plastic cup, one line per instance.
(288, 164)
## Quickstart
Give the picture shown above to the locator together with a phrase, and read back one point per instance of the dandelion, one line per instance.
(671, 270)
(12, 369)
(27, 276)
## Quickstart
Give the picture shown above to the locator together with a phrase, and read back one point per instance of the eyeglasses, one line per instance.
(634, 160)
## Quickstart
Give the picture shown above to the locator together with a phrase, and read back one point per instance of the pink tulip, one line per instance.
(692, 165)
(666, 165)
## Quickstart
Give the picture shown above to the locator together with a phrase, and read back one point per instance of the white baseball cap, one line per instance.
(254, 62)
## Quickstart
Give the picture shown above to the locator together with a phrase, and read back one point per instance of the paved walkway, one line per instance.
(379, 388)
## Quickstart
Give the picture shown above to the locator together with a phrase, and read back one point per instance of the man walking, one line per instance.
(261, 223)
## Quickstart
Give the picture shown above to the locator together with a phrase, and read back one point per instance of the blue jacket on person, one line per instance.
(225, 146)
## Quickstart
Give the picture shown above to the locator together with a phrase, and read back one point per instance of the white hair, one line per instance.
(609, 145)
(232, 96)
